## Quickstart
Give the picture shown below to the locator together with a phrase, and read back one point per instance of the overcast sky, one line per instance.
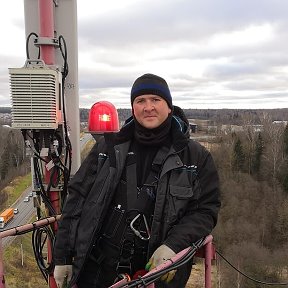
(213, 53)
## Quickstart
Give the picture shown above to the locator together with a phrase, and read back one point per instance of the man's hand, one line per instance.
(162, 254)
(62, 273)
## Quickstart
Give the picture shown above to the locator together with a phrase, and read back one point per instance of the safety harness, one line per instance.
(128, 227)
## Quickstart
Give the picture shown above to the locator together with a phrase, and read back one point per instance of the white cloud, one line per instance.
(214, 54)
(249, 36)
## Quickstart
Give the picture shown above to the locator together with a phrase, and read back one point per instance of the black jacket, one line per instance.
(187, 201)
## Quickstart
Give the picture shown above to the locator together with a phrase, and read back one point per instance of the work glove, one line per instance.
(62, 274)
(161, 254)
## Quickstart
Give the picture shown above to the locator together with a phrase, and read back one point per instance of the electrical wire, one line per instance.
(38, 171)
(151, 278)
(44, 197)
(62, 43)
(146, 280)
(40, 236)
(60, 169)
(247, 276)
(68, 155)
(27, 45)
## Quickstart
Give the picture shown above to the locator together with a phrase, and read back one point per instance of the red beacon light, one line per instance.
(103, 118)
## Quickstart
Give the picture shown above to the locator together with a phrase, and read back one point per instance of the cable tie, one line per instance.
(194, 246)
(170, 260)
(142, 281)
(34, 225)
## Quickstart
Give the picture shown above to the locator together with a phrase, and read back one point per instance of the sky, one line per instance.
(213, 53)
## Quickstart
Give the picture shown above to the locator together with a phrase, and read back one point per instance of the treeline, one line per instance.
(252, 231)
(5, 110)
(223, 116)
(123, 114)
(216, 116)
(235, 116)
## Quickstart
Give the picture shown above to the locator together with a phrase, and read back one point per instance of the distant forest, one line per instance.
(5, 109)
(223, 116)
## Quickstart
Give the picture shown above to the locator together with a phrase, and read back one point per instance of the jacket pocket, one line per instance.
(178, 200)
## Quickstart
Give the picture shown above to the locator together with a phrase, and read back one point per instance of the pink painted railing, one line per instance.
(207, 251)
(20, 230)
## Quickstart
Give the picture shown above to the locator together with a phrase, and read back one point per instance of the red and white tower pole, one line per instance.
(47, 54)
(46, 30)
(59, 18)
(49, 19)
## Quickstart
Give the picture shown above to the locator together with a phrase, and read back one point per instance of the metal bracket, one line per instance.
(46, 41)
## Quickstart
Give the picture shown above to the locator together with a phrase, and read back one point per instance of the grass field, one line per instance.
(16, 187)
(20, 268)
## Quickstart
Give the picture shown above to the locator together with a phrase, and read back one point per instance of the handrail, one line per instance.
(18, 231)
(207, 251)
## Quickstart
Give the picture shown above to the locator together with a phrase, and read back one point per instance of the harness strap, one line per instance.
(159, 159)
(126, 252)
(124, 229)
(139, 201)
(131, 181)
(136, 200)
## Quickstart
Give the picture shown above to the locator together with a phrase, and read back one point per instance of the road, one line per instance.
(26, 209)
(84, 139)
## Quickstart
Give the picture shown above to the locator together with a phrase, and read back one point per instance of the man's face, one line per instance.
(150, 110)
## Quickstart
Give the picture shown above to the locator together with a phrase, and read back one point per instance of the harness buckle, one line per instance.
(123, 268)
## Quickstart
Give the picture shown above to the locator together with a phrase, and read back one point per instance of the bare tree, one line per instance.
(273, 154)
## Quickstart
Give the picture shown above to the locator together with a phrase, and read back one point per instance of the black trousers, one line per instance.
(96, 275)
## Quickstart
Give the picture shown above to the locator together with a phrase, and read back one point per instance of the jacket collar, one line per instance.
(179, 132)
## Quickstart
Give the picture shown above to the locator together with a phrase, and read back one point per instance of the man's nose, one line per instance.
(149, 105)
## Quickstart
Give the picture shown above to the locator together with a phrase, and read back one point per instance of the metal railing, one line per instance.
(18, 231)
(206, 251)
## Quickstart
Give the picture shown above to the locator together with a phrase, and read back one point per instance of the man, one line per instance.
(141, 195)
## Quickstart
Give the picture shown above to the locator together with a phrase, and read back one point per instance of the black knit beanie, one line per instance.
(151, 84)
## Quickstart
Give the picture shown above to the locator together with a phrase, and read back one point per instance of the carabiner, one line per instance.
(138, 233)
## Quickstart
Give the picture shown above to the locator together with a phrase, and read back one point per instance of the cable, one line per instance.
(184, 259)
(27, 45)
(39, 239)
(68, 154)
(174, 265)
(54, 141)
(64, 55)
(44, 197)
(56, 172)
(249, 277)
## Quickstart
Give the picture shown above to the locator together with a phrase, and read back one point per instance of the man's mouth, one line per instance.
(150, 116)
